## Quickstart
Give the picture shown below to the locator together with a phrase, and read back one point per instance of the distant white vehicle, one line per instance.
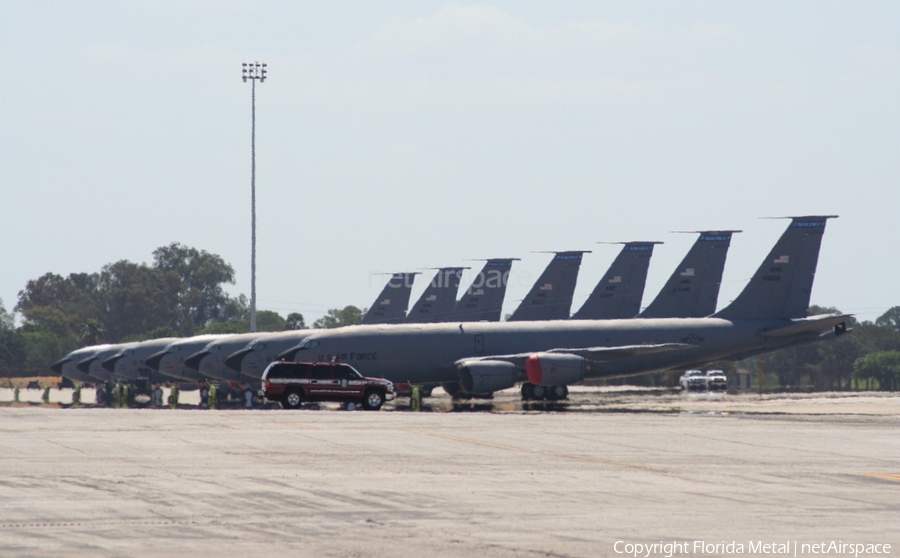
(694, 380)
(715, 379)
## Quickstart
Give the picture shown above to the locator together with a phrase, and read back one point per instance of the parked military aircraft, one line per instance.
(769, 314)
(92, 364)
(129, 361)
(435, 304)
(483, 300)
(67, 366)
(550, 298)
(390, 306)
(210, 361)
(170, 360)
(438, 299)
(618, 294)
(693, 289)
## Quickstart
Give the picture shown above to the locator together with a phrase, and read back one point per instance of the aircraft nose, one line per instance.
(288, 354)
(110, 363)
(193, 361)
(154, 359)
(234, 360)
(85, 365)
(58, 365)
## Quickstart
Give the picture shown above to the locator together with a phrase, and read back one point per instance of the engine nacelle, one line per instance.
(486, 376)
(551, 369)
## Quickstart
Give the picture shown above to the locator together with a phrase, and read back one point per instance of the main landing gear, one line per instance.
(533, 392)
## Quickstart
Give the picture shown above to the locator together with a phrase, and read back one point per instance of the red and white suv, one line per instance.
(292, 383)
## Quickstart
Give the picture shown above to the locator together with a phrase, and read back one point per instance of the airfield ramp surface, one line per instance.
(105, 482)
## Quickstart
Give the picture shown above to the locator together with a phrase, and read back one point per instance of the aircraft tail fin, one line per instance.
(781, 287)
(483, 300)
(693, 289)
(618, 294)
(551, 296)
(391, 305)
(439, 298)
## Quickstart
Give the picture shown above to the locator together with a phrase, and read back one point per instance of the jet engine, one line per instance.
(486, 376)
(552, 369)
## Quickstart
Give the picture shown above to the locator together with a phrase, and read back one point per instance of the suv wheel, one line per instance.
(292, 400)
(374, 400)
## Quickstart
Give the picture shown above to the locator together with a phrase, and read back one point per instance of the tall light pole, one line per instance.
(253, 71)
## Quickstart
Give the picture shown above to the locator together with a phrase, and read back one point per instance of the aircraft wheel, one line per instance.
(527, 391)
(539, 392)
(292, 400)
(204, 396)
(248, 398)
(557, 393)
(374, 400)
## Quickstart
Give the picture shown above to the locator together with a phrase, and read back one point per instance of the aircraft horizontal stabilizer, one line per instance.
(812, 325)
(826, 336)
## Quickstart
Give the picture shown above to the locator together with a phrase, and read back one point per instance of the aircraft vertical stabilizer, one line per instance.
(390, 306)
(439, 298)
(483, 300)
(618, 294)
(782, 285)
(693, 289)
(551, 296)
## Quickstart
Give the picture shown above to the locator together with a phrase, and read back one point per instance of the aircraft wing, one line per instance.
(592, 354)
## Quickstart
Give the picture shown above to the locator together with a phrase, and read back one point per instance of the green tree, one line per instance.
(267, 320)
(7, 320)
(157, 333)
(42, 347)
(349, 315)
(61, 303)
(294, 321)
(883, 366)
(182, 290)
(12, 349)
(200, 297)
(224, 327)
(137, 299)
(890, 319)
(93, 332)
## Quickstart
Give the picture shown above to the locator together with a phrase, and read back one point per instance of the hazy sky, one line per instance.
(395, 136)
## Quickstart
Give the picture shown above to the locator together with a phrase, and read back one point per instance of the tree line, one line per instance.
(866, 358)
(180, 294)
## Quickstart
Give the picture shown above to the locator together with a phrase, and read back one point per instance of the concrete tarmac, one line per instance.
(114, 482)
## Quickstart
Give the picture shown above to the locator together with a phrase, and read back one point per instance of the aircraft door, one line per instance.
(479, 344)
